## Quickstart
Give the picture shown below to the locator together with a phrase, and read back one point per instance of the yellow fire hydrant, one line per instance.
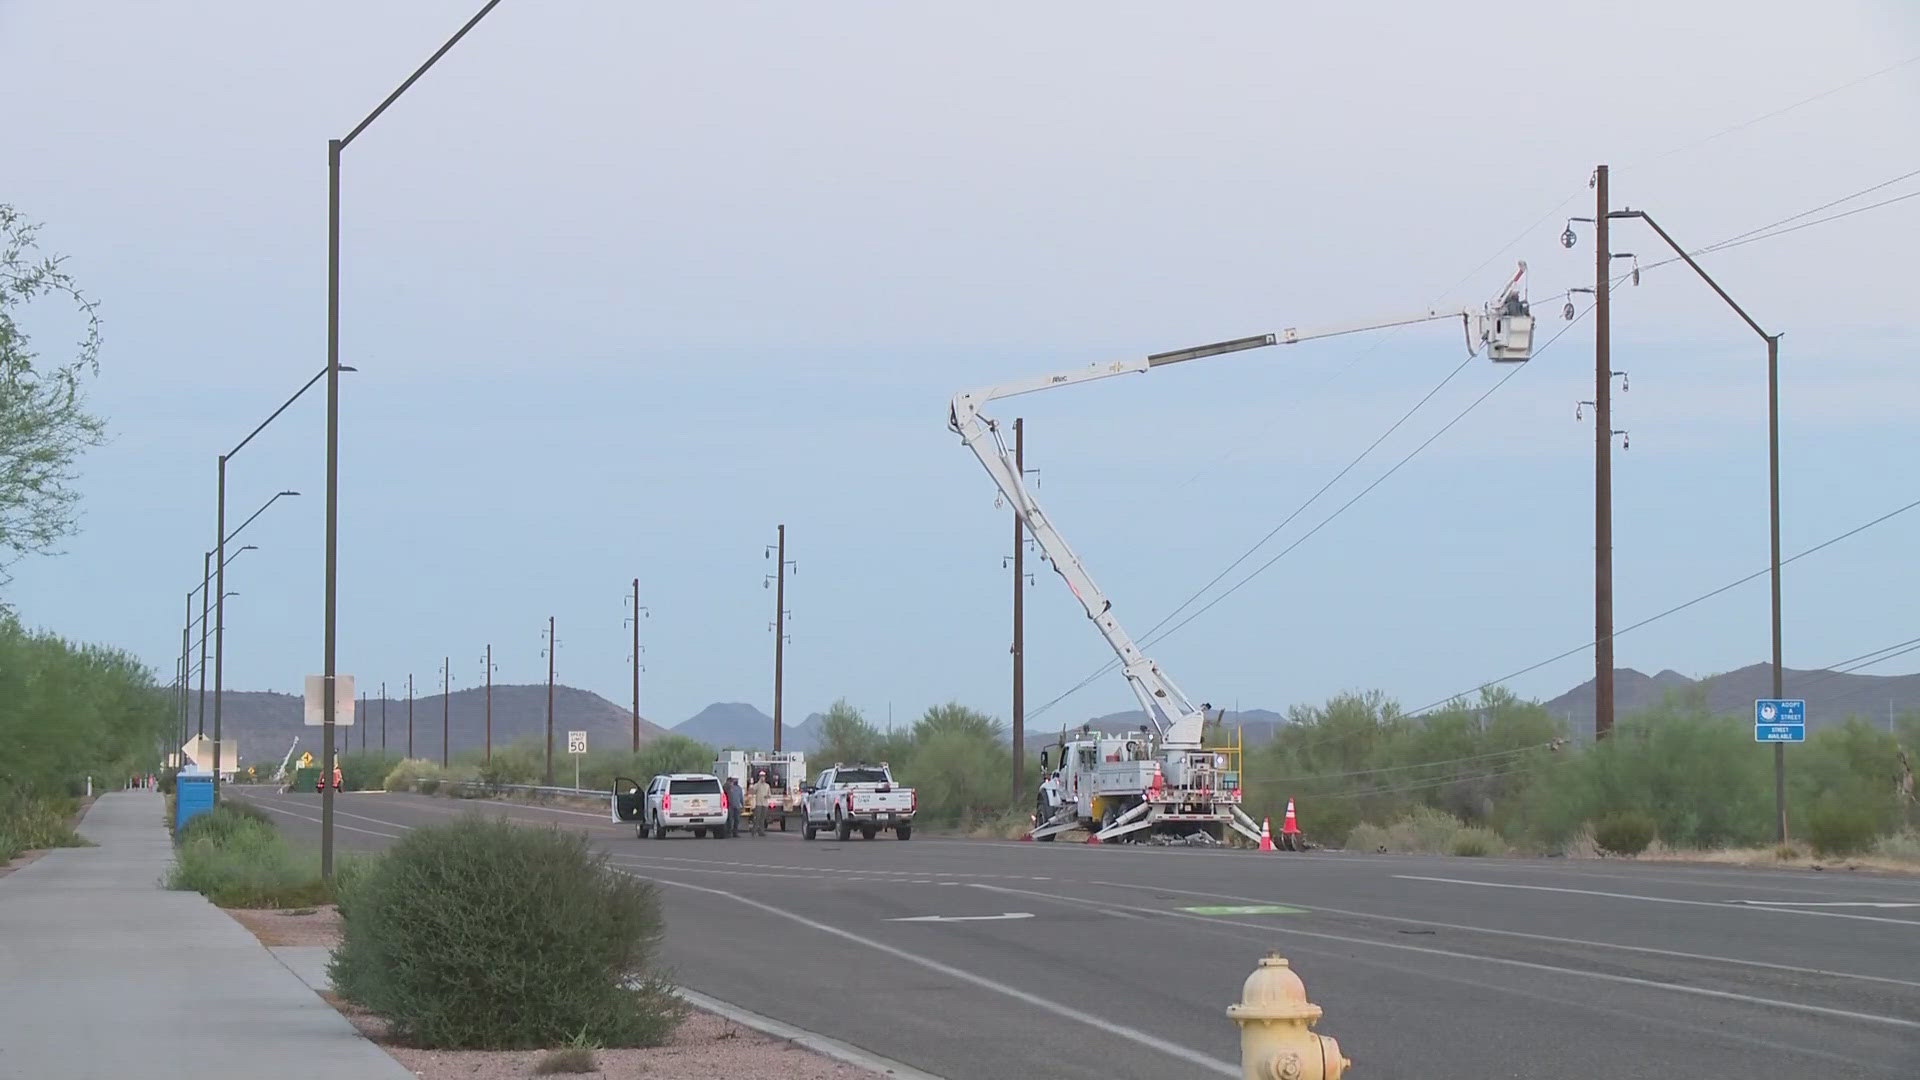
(1275, 1019)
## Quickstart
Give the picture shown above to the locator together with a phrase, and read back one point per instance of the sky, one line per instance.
(629, 285)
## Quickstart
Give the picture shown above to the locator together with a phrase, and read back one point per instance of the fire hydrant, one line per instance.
(1275, 1019)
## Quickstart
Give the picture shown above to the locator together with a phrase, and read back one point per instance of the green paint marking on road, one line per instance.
(1245, 909)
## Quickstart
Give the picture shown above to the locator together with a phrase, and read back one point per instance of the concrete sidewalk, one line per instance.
(104, 974)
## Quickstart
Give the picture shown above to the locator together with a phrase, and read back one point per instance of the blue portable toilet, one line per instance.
(193, 794)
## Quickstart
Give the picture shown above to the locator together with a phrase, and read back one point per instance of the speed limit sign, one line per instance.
(576, 742)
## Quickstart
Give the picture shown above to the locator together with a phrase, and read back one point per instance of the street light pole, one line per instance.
(1773, 492)
(552, 647)
(334, 146)
(446, 707)
(206, 601)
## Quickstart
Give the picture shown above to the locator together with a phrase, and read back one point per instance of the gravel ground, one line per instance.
(704, 1047)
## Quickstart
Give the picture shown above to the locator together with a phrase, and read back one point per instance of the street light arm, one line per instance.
(281, 409)
(415, 77)
(1704, 276)
(256, 513)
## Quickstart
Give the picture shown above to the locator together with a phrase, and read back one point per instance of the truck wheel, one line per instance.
(640, 831)
(844, 828)
(904, 832)
(659, 830)
(1041, 814)
(699, 833)
(806, 827)
(868, 832)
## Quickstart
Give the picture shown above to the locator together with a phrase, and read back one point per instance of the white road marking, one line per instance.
(1701, 991)
(1721, 904)
(1134, 1035)
(964, 918)
(1554, 939)
(337, 825)
(1827, 903)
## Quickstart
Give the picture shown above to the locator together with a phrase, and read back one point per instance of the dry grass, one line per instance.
(1890, 856)
(571, 1059)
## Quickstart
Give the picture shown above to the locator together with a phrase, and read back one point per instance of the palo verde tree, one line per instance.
(44, 423)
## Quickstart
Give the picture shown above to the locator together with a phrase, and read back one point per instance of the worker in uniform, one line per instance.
(336, 776)
(734, 798)
(761, 801)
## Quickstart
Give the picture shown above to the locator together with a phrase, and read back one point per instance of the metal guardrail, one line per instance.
(482, 787)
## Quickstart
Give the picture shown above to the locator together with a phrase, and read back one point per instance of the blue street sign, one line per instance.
(1780, 720)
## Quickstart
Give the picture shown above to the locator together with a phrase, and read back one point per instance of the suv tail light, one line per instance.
(723, 798)
(915, 805)
(666, 800)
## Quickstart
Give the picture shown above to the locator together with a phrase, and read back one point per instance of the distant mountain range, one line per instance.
(266, 723)
(1831, 696)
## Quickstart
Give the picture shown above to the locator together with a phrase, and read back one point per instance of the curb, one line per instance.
(819, 1044)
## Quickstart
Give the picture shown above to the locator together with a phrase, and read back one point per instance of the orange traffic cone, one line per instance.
(1266, 835)
(1290, 828)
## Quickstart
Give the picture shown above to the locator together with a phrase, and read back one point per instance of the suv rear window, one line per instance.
(860, 776)
(694, 787)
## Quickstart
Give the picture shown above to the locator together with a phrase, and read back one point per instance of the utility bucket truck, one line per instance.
(1161, 780)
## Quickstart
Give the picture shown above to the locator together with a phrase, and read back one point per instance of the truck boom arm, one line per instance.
(1508, 334)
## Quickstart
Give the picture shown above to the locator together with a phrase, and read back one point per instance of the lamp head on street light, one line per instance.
(289, 493)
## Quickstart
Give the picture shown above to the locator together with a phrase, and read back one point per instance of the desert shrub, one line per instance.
(363, 770)
(428, 777)
(30, 820)
(1424, 831)
(567, 1059)
(1624, 832)
(1840, 826)
(235, 857)
(1903, 846)
(486, 934)
(1367, 836)
(1473, 842)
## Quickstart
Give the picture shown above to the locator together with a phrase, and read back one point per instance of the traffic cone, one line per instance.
(1093, 838)
(1290, 828)
(1266, 835)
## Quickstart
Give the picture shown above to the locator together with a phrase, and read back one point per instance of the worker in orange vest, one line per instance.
(336, 776)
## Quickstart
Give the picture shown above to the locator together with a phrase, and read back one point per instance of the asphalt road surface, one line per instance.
(981, 959)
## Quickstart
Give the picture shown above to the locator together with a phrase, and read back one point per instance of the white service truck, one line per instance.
(786, 773)
(1164, 782)
(863, 797)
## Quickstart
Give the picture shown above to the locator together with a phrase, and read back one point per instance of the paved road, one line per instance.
(1116, 963)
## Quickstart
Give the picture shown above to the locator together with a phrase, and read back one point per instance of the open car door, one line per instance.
(627, 797)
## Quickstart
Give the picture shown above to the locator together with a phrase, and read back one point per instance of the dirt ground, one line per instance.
(704, 1046)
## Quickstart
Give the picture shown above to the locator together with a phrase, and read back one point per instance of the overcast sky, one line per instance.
(628, 284)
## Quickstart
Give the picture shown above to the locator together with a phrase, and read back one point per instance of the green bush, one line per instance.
(32, 820)
(427, 777)
(365, 770)
(1840, 826)
(234, 856)
(1476, 843)
(1624, 832)
(486, 934)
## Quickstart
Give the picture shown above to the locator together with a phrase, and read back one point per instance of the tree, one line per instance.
(845, 735)
(956, 718)
(44, 423)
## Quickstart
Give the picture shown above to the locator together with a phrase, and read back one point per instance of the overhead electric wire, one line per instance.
(1670, 611)
(1361, 793)
(1783, 111)
(1149, 639)
(1750, 236)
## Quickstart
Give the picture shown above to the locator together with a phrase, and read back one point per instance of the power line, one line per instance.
(1361, 793)
(1672, 610)
(1783, 111)
(1150, 639)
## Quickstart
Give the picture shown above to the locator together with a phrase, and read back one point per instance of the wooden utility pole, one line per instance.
(1019, 626)
(383, 716)
(1602, 466)
(446, 706)
(409, 715)
(779, 632)
(489, 701)
(636, 665)
(551, 646)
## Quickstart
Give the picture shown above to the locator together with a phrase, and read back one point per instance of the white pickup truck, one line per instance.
(864, 797)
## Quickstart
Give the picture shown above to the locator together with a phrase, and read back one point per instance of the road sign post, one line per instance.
(1780, 721)
(576, 746)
